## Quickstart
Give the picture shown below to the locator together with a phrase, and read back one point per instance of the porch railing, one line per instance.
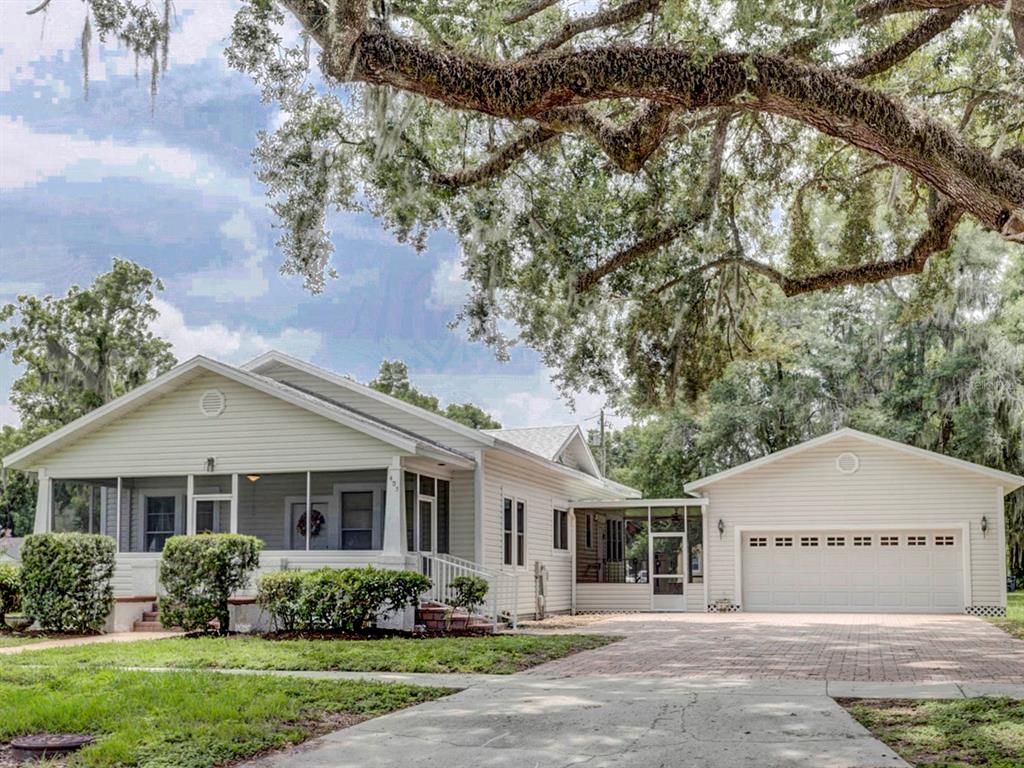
(501, 602)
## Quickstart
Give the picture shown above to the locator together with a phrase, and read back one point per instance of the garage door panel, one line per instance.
(900, 571)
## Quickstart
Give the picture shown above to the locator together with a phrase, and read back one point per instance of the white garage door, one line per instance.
(897, 571)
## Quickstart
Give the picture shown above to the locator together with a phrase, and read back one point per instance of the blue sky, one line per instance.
(83, 181)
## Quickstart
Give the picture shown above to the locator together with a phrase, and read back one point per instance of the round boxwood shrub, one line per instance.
(65, 580)
(10, 591)
(333, 600)
(200, 573)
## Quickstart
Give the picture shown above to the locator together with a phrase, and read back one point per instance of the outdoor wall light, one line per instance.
(721, 528)
(211, 462)
(252, 478)
(984, 524)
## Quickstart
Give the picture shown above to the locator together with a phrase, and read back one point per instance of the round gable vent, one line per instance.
(212, 402)
(847, 463)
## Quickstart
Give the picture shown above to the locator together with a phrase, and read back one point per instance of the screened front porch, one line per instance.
(305, 519)
(640, 558)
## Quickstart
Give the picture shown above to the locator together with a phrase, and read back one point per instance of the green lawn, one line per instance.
(960, 732)
(498, 654)
(1014, 621)
(185, 719)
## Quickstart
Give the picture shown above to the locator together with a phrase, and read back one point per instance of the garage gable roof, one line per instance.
(180, 374)
(1010, 482)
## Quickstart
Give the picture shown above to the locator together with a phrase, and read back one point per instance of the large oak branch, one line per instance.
(991, 189)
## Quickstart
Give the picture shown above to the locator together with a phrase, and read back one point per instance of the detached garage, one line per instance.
(854, 522)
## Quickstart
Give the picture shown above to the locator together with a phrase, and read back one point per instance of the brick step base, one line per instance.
(437, 617)
(147, 626)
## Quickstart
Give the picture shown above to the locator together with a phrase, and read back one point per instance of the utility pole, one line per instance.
(604, 448)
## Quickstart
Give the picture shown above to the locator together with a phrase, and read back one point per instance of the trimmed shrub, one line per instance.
(65, 580)
(332, 600)
(278, 593)
(467, 592)
(199, 574)
(10, 591)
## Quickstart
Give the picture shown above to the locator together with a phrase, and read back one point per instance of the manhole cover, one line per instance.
(40, 745)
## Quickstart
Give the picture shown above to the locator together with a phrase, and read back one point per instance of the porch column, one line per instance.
(42, 502)
(394, 541)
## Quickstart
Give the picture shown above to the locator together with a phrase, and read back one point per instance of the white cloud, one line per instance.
(29, 157)
(13, 288)
(239, 279)
(448, 289)
(230, 345)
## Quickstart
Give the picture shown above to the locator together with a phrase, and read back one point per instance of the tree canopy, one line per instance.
(393, 379)
(632, 184)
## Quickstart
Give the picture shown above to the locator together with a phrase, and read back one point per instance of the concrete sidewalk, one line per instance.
(605, 722)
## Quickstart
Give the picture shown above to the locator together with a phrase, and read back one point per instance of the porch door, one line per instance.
(668, 571)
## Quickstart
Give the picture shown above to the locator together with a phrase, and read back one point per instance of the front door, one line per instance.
(668, 571)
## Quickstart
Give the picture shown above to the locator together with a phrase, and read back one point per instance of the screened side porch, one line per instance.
(648, 556)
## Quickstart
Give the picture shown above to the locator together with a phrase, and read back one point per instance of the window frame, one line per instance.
(513, 538)
(559, 530)
(589, 530)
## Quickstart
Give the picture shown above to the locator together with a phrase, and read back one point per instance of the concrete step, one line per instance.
(147, 626)
(151, 615)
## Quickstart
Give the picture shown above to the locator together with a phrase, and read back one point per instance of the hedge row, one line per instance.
(333, 600)
(66, 580)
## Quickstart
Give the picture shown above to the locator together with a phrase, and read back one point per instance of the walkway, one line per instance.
(849, 647)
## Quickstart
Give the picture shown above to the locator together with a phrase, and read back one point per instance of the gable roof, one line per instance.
(543, 441)
(349, 417)
(550, 443)
(1009, 481)
(269, 359)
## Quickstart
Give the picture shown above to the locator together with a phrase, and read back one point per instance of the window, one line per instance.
(889, 541)
(862, 541)
(508, 530)
(410, 511)
(944, 541)
(808, 541)
(836, 541)
(160, 521)
(916, 541)
(613, 541)
(590, 530)
(783, 541)
(520, 532)
(442, 511)
(560, 529)
(758, 541)
(357, 520)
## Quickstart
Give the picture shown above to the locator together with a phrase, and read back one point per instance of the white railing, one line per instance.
(501, 602)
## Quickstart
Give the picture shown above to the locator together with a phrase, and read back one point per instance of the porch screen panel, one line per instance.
(272, 507)
(152, 510)
(81, 506)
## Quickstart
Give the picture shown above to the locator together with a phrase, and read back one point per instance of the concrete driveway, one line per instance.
(605, 722)
(779, 646)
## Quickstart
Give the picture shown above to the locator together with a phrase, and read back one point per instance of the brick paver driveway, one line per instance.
(855, 647)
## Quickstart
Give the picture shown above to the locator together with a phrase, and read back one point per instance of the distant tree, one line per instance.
(393, 379)
(80, 351)
(83, 349)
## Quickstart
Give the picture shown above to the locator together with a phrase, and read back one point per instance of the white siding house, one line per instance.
(328, 472)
